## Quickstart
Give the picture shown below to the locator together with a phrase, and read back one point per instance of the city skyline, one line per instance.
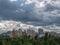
(10, 25)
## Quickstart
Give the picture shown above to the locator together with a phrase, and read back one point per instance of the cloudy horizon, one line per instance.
(36, 12)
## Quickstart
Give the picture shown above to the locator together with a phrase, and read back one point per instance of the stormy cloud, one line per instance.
(39, 12)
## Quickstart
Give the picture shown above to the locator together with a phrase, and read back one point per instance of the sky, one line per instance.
(36, 12)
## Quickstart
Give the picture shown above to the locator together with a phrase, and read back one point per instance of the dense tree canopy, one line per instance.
(27, 40)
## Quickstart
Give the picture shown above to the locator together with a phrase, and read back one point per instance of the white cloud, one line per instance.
(28, 1)
(56, 3)
(13, 0)
(22, 4)
(40, 4)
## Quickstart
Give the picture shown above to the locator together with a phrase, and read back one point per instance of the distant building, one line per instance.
(40, 32)
(53, 34)
(31, 33)
(19, 32)
(24, 32)
(14, 33)
(59, 34)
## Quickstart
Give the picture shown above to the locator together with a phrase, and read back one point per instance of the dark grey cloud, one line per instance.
(47, 12)
(50, 7)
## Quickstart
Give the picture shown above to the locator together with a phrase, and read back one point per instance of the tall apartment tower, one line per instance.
(14, 33)
(24, 32)
(40, 32)
(31, 33)
(19, 32)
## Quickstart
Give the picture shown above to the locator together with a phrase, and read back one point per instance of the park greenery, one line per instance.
(27, 40)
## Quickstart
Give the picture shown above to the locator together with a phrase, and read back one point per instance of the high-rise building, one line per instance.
(40, 32)
(19, 32)
(14, 33)
(31, 33)
(24, 32)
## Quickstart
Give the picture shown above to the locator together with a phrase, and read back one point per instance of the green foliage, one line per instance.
(27, 40)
